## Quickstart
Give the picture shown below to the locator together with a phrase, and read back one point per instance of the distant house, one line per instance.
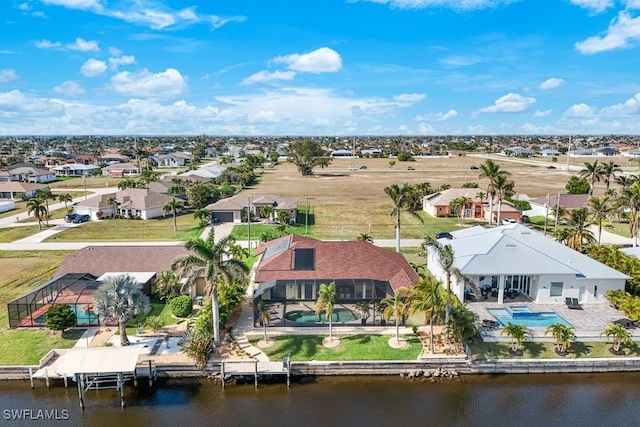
(438, 204)
(371, 152)
(26, 173)
(121, 170)
(75, 169)
(11, 190)
(515, 257)
(110, 158)
(342, 153)
(171, 160)
(507, 211)
(131, 203)
(607, 151)
(569, 201)
(518, 152)
(290, 270)
(550, 153)
(207, 172)
(231, 209)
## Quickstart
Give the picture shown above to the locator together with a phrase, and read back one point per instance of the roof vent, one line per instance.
(525, 231)
(510, 245)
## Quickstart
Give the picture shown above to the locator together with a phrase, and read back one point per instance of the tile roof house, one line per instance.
(27, 173)
(569, 201)
(11, 190)
(291, 269)
(230, 209)
(121, 170)
(437, 204)
(131, 203)
(515, 257)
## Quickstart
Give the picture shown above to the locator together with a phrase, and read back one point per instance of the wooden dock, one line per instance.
(255, 368)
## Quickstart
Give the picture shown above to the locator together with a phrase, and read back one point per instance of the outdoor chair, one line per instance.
(492, 324)
(576, 304)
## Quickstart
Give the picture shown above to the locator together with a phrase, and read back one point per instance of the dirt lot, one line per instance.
(353, 202)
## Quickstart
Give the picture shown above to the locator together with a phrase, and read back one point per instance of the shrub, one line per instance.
(60, 317)
(197, 346)
(181, 306)
(155, 323)
(204, 321)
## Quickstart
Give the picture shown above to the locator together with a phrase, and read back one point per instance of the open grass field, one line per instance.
(92, 182)
(129, 230)
(11, 234)
(353, 202)
(352, 347)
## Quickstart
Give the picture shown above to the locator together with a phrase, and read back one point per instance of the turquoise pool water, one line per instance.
(308, 316)
(522, 315)
(82, 317)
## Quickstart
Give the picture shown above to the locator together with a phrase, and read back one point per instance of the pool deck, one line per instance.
(588, 323)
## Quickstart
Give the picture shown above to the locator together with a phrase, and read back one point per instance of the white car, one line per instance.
(508, 221)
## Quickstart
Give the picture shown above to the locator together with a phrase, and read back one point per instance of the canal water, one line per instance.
(500, 400)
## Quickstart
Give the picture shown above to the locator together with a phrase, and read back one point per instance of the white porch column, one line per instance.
(501, 290)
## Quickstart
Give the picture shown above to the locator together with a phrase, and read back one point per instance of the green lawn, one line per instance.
(27, 347)
(352, 347)
(239, 231)
(12, 234)
(545, 350)
(118, 230)
(157, 309)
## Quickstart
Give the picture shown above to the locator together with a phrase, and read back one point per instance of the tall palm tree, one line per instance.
(265, 318)
(490, 170)
(45, 195)
(600, 209)
(579, 233)
(463, 325)
(620, 336)
(201, 215)
(266, 211)
(397, 307)
(503, 187)
(459, 204)
(326, 300)
(446, 257)
(563, 335)
(113, 203)
(428, 297)
(39, 210)
(172, 206)
(609, 170)
(400, 197)
(630, 200)
(592, 172)
(365, 237)
(518, 333)
(207, 260)
(626, 180)
(65, 198)
(118, 299)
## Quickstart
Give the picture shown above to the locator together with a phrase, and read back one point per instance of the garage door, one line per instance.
(222, 216)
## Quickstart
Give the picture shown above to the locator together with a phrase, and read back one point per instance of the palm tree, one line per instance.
(113, 203)
(459, 204)
(397, 307)
(626, 180)
(365, 237)
(600, 209)
(173, 205)
(364, 308)
(446, 258)
(620, 336)
(518, 333)
(592, 172)
(65, 198)
(45, 195)
(326, 300)
(201, 215)
(463, 325)
(630, 200)
(490, 170)
(118, 299)
(39, 210)
(579, 233)
(266, 211)
(265, 317)
(502, 188)
(400, 198)
(284, 216)
(563, 335)
(207, 261)
(428, 297)
(609, 170)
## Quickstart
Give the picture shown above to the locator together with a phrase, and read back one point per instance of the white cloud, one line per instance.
(426, 129)
(145, 83)
(622, 32)
(440, 117)
(595, 6)
(544, 113)
(93, 67)
(7, 52)
(16, 105)
(84, 46)
(551, 83)
(46, 44)
(410, 98)
(24, 6)
(69, 88)
(8, 75)
(76, 4)
(122, 60)
(452, 4)
(630, 106)
(580, 110)
(323, 60)
(633, 4)
(530, 129)
(265, 76)
(510, 103)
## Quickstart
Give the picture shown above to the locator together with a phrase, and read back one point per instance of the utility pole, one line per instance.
(557, 212)
(306, 217)
(249, 223)
(546, 214)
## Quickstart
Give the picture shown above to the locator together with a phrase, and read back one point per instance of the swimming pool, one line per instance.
(308, 316)
(522, 315)
(82, 317)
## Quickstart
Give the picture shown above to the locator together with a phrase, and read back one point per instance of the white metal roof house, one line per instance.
(519, 258)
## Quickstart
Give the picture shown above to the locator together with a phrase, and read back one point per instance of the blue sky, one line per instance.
(329, 67)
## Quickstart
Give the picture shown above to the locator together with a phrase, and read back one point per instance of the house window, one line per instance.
(556, 289)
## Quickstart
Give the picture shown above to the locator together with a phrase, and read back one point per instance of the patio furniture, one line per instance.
(491, 324)
(576, 304)
(626, 323)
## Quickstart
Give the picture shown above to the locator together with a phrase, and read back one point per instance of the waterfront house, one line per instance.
(515, 257)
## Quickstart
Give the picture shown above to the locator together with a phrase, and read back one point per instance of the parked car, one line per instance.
(81, 218)
(363, 167)
(70, 217)
(411, 168)
(444, 234)
(551, 167)
(474, 168)
(508, 221)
